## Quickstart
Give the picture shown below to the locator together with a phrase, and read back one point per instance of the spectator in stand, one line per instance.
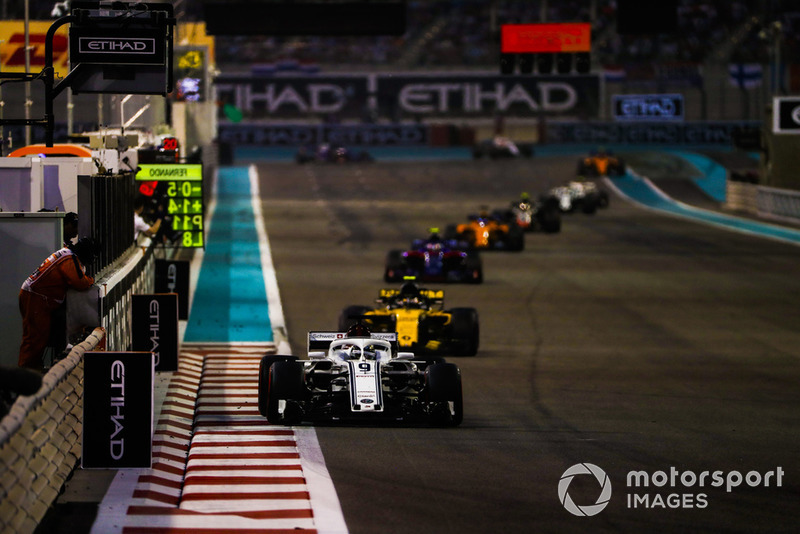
(139, 224)
(44, 291)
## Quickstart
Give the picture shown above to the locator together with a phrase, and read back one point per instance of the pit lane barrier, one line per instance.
(40, 441)
(40, 437)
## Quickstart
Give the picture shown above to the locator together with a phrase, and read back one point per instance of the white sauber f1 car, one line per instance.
(358, 375)
(579, 195)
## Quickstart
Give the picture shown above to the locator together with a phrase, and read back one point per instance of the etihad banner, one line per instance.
(646, 133)
(154, 328)
(295, 135)
(411, 96)
(12, 47)
(117, 430)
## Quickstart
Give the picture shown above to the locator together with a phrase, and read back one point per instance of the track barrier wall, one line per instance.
(40, 437)
(40, 441)
(768, 202)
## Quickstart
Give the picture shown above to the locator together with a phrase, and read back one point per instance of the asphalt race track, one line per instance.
(631, 340)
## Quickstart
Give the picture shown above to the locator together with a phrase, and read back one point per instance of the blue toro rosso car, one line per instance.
(434, 260)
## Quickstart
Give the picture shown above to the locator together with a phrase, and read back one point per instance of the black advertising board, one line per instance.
(173, 276)
(786, 115)
(117, 410)
(295, 96)
(122, 48)
(138, 46)
(485, 95)
(154, 328)
(411, 96)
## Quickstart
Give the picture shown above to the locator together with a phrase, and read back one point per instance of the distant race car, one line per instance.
(579, 196)
(358, 376)
(486, 232)
(434, 260)
(326, 153)
(531, 215)
(601, 163)
(422, 324)
(501, 147)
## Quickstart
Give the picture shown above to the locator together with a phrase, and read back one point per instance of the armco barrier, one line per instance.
(782, 203)
(40, 441)
(768, 202)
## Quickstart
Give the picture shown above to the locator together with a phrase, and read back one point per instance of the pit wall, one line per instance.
(40, 441)
(41, 436)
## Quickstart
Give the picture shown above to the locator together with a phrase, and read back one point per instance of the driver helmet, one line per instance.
(409, 289)
(433, 247)
(358, 330)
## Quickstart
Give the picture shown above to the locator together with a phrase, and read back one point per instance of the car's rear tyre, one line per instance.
(443, 387)
(394, 266)
(285, 384)
(550, 218)
(474, 268)
(515, 239)
(589, 204)
(603, 199)
(586, 169)
(465, 331)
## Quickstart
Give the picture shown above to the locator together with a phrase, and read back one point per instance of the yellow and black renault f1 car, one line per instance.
(422, 324)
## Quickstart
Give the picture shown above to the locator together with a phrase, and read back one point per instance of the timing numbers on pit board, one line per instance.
(185, 204)
(179, 206)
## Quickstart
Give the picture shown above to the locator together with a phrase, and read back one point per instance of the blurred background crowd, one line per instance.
(453, 34)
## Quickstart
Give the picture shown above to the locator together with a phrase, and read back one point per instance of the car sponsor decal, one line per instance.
(366, 394)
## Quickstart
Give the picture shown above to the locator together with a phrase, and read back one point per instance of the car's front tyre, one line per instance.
(443, 386)
(285, 384)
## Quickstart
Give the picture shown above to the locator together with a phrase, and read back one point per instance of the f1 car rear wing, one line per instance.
(321, 341)
(432, 295)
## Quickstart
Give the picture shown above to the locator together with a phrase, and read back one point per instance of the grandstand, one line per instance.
(742, 51)
(464, 34)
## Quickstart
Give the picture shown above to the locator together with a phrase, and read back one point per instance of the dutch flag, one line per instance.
(614, 73)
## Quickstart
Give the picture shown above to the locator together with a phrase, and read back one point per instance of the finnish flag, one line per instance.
(745, 75)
